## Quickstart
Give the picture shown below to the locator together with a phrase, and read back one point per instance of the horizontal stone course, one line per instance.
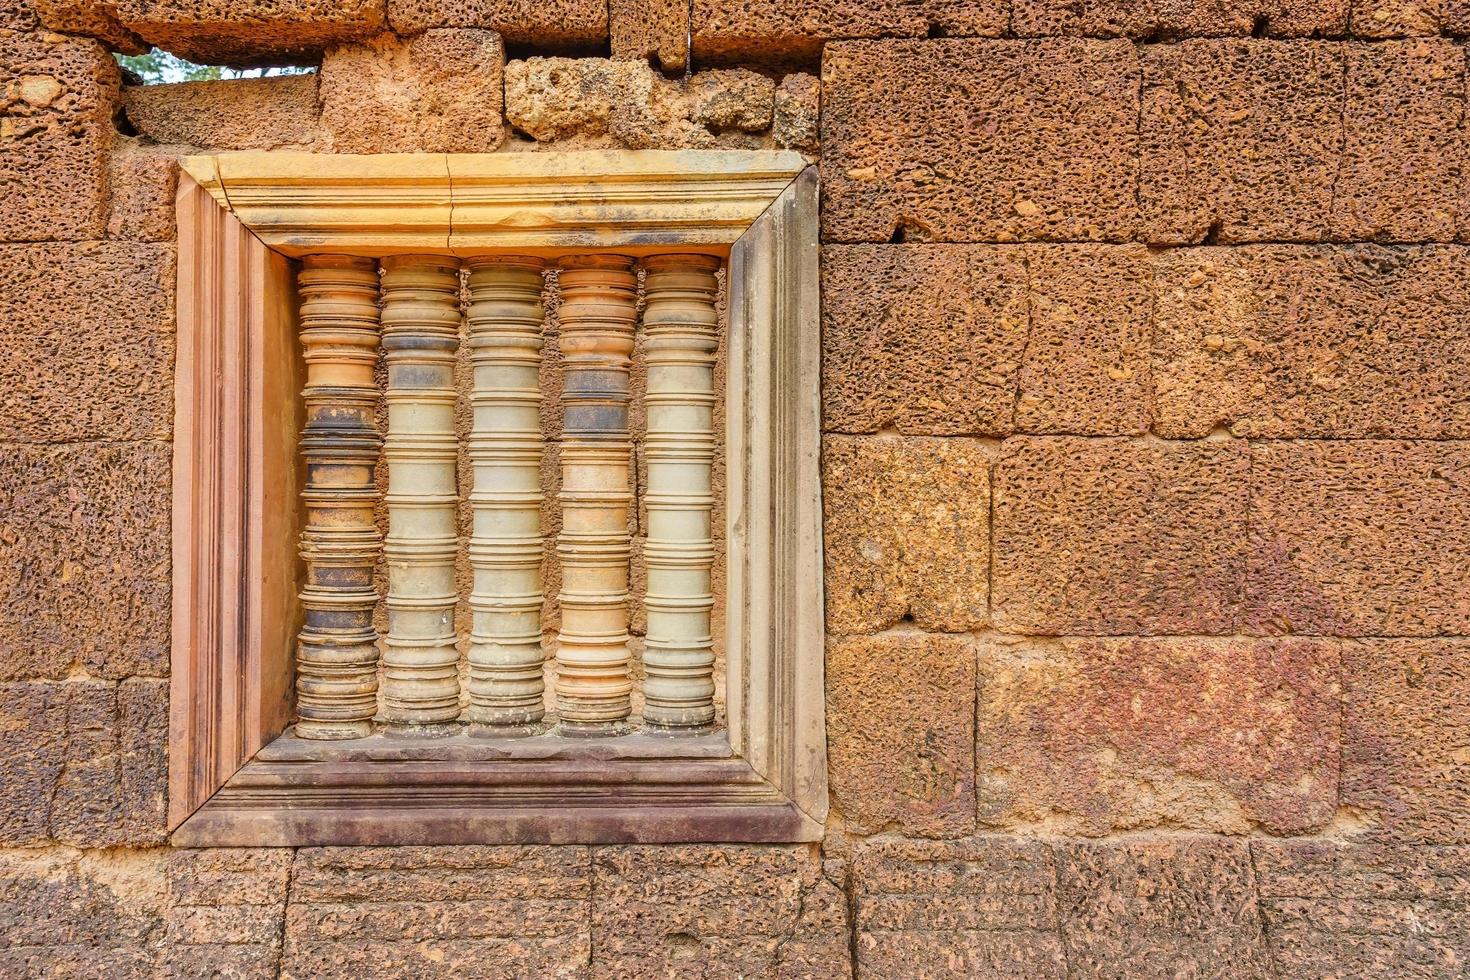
(557, 25)
(795, 30)
(281, 112)
(250, 33)
(1159, 20)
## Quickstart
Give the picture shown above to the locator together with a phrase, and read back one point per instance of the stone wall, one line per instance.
(1146, 332)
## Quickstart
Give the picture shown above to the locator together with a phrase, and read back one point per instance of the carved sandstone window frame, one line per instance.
(242, 218)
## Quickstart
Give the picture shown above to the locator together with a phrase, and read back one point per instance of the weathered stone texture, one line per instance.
(247, 33)
(644, 29)
(1407, 18)
(1289, 341)
(1093, 737)
(554, 25)
(986, 907)
(1118, 536)
(797, 121)
(1161, 907)
(239, 114)
(18, 15)
(1161, 19)
(85, 582)
(701, 910)
(226, 912)
(901, 733)
(1400, 173)
(439, 92)
(1335, 910)
(470, 911)
(593, 102)
(56, 100)
(770, 30)
(1360, 538)
(91, 18)
(145, 181)
(1241, 140)
(1406, 738)
(85, 762)
(906, 533)
(973, 140)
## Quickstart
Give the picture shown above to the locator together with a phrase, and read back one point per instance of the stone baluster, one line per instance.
(337, 656)
(680, 325)
(598, 312)
(505, 448)
(420, 334)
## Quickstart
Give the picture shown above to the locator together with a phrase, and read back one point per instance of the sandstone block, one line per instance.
(1406, 709)
(1159, 19)
(982, 907)
(1115, 536)
(1355, 910)
(1241, 140)
(1085, 366)
(974, 140)
(89, 18)
(1361, 538)
(145, 181)
(1318, 341)
(56, 100)
(791, 30)
(239, 114)
(901, 733)
(1400, 178)
(798, 103)
(439, 92)
(906, 534)
(1091, 737)
(88, 335)
(644, 29)
(926, 339)
(86, 582)
(559, 25)
(226, 912)
(1174, 906)
(250, 33)
(727, 910)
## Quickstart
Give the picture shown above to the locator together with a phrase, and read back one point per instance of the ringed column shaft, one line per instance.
(505, 449)
(337, 654)
(420, 335)
(598, 312)
(680, 324)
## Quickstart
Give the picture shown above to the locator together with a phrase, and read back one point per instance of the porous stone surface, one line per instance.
(901, 733)
(1313, 341)
(1091, 737)
(1165, 907)
(1240, 140)
(86, 762)
(473, 911)
(226, 912)
(250, 33)
(145, 180)
(554, 25)
(56, 99)
(1408, 18)
(906, 533)
(798, 105)
(1359, 538)
(793, 30)
(1164, 20)
(645, 29)
(438, 92)
(594, 102)
(717, 911)
(85, 583)
(927, 339)
(88, 333)
(975, 140)
(1406, 715)
(240, 114)
(1345, 910)
(1117, 536)
(91, 18)
(1401, 169)
(18, 15)
(985, 907)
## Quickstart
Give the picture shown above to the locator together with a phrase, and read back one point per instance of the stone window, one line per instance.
(449, 570)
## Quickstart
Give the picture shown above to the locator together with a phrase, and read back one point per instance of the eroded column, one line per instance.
(680, 325)
(420, 333)
(599, 307)
(337, 656)
(505, 447)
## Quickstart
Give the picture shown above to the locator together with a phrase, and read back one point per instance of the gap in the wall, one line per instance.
(160, 67)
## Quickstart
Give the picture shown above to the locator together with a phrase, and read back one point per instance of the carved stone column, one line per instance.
(505, 447)
(337, 656)
(680, 341)
(599, 307)
(420, 334)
